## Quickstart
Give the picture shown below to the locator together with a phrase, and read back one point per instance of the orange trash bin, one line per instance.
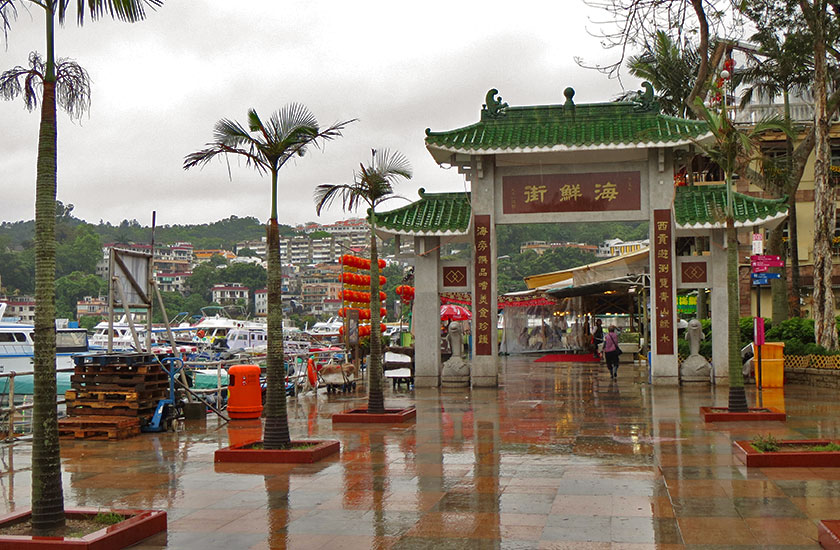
(772, 365)
(244, 392)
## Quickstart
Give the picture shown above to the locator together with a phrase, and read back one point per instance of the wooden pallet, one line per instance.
(98, 427)
(84, 410)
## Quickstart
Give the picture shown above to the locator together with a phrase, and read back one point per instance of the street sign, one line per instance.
(759, 269)
(767, 264)
(765, 258)
(758, 243)
(761, 281)
(756, 276)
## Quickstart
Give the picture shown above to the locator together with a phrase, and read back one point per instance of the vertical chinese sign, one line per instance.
(484, 316)
(663, 282)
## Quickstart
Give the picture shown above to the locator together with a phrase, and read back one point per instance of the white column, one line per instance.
(664, 368)
(720, 307)
(484, 368)
(426, 313)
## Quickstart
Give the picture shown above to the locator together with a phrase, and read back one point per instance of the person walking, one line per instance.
(598, 339)
(612, 351)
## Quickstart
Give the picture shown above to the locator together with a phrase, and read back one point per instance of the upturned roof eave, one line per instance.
(771, 220)
(442, 154)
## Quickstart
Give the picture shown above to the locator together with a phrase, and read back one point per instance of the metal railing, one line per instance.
(10, 411)
(299, 379)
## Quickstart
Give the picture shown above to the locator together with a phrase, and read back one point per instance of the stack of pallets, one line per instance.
(112, 394)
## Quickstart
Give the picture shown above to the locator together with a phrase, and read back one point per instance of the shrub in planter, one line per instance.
(795, 328)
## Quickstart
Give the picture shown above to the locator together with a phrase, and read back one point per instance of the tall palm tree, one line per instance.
(783, 63)
(267, 147)
(372, 185)
(671, 69)
(47, 494)
(730, 148)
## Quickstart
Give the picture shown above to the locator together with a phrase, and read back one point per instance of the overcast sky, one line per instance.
(160, 85)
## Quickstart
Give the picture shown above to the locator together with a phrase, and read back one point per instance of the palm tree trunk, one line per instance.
(376, 396)
(825, 211)
(778, 287)
(737, 395)
(793, 254)
(47, 494)
(276, 433)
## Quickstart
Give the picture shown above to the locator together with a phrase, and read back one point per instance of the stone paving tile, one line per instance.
(556, 458)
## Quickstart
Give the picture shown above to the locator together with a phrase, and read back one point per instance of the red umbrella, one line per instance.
(451, 312)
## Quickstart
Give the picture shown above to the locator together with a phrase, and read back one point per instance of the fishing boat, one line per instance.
(17, 347)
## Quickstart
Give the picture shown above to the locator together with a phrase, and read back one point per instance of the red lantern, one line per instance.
(382, 280)
(383, 311)
(381, 264)
(381, 328)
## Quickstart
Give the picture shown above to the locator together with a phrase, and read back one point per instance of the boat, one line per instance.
(124, 341)
(17, 347)
(326, 330)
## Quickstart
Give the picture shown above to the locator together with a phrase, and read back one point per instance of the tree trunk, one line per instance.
(276, 433)
(737, 395)
(793, 254)
(376, 396)
(825, 327)
(778, 287)
(47, 493)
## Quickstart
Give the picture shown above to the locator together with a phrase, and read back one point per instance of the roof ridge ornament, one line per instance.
(493, 108)
(569, 93)
(646, 100)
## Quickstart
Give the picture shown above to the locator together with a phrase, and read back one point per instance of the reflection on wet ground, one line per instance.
(559, 457)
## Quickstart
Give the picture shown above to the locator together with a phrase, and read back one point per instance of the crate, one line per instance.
(119, 385)
(98, 427)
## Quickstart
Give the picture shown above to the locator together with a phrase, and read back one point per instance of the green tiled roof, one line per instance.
(433, 214)
(566, 127)
(704, 206)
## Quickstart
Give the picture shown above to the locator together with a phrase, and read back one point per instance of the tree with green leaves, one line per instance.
(729, 148)
(671, 68)
(52, 82)
(268, 146)
(372, 184)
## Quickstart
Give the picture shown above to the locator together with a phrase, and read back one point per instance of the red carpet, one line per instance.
(568, 358)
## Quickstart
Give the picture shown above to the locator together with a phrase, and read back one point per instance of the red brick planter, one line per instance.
(722, 414)
(829, 534)
(361, 416)
(745, 452)
(317, 450)
(140, 525)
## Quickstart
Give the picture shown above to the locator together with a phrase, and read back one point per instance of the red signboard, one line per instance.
(485, 317)
(593, 192)
(767, 264)
(663, 282)
(765, 258)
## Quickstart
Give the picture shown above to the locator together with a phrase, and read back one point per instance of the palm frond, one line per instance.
(326, 193)
(123, 10)
(8, 13)
(72, 86)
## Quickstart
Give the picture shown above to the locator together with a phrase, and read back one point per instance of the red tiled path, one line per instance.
(557, 458)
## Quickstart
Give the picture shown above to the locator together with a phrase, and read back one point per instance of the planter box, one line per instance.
(140, 525)
(361, 416)
(745, 452)
(722, 414)
(829, 534)
(241, 453)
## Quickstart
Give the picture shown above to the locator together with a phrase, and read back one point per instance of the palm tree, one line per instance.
(71, 93)
(670, 69)
(267, 147)
(783, 63)
(373, 185)
(730, 148)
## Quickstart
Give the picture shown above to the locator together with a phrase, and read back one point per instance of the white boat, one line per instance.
(124, 341)
(236, 335)
(17, 347)
(324, 330)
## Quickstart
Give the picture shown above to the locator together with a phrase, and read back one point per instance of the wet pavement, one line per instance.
(559, 457)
